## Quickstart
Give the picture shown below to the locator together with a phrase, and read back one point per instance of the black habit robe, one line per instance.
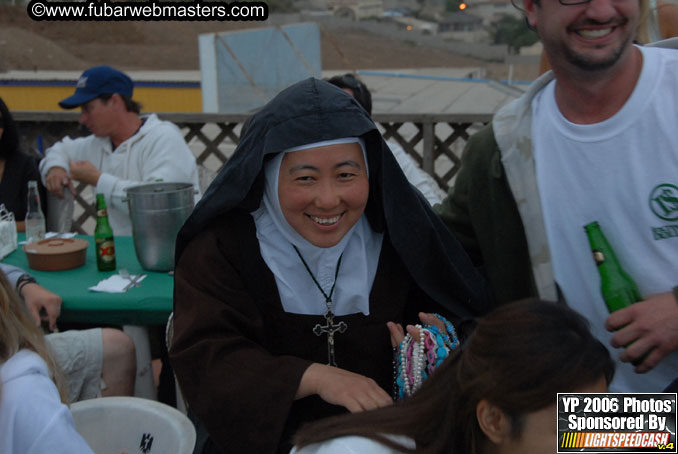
(237, 355)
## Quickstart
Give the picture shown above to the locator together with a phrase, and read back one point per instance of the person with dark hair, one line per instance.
(354, 87)
(303, 249)
(125, 149)
(497, 394)
(594, 139)
(424, 182)
(16, 170)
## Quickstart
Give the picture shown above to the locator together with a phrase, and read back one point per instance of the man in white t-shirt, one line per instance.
(593, 140)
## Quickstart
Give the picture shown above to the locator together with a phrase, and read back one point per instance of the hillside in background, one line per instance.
(29, 45)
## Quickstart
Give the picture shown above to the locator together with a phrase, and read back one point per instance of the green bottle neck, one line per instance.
(618, 288)
(604, 256)
(102, 212)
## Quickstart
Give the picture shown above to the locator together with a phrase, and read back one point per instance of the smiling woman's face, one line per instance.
(323, 191)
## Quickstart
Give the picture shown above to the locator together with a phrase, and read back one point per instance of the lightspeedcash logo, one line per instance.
(629, 423)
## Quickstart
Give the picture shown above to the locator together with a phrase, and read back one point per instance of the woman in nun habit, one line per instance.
(308, 242)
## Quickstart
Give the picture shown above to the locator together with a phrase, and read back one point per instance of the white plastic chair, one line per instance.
(113, 425)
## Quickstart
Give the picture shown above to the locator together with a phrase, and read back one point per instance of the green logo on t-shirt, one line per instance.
(664, 202)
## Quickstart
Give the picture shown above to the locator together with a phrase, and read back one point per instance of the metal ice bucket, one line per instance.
(158, 210)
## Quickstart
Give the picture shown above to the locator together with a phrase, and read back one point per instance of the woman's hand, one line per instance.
(341, 387)
(398, 334)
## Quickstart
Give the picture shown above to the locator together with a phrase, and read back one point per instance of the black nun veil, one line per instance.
(313, 111)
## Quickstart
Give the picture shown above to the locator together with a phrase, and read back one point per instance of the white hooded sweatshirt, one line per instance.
(33, 420)
(157, 152)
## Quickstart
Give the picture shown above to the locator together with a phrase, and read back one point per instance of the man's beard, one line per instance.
(588, 63)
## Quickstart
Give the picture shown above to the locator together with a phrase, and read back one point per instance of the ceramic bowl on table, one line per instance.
(56, 254)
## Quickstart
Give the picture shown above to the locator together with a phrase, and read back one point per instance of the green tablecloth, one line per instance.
(149, 304)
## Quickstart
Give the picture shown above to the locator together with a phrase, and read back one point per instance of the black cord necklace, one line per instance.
(329, 328)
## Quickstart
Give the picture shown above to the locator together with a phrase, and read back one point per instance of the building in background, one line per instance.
(157, 91)
(463, 26)
(492, 10)
(357, 9)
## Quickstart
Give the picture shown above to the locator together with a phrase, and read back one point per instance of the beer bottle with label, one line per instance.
(103, 238)
(619, 290)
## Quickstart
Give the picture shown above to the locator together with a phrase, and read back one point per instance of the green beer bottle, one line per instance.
(103, 238)
(619, 290)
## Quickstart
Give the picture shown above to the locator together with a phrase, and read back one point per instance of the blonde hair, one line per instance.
(17, 331)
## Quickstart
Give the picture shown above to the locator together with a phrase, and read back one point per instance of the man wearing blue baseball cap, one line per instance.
(97, 81)
(124, 149)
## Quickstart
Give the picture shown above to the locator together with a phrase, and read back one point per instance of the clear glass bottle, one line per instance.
(35, 219)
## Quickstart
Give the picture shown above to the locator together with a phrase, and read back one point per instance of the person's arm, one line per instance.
(84, 172)
(228, 379)
(337, 386)
(163, 156)
(36, 298)
(40, 421)
(41, 303)
(54, 167)
(650, 326)
(12, 272)
(667, 16)
(219, 354)
(483, 215)
(56, 179)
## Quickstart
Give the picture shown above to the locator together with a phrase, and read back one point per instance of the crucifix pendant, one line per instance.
(330, 328)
